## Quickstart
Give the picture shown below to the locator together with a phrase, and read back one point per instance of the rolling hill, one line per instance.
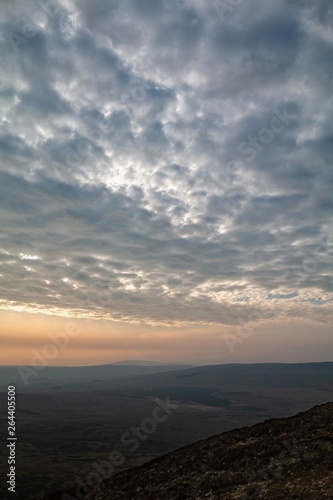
(282, 459)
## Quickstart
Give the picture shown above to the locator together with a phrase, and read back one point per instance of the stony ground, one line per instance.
(283, 459)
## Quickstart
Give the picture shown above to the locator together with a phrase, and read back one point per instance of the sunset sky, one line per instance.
(166, 180)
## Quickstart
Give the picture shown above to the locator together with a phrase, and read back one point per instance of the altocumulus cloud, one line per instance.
(163, 163)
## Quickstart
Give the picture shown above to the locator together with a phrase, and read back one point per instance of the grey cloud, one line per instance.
(122, 168)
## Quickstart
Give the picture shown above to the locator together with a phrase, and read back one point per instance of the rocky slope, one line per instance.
(289, 458)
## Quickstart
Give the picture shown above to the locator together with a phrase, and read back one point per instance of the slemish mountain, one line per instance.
(288, 458)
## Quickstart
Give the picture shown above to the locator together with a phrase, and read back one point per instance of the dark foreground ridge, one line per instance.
(289, 458)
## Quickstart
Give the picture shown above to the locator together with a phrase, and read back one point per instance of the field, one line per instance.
(67, 430)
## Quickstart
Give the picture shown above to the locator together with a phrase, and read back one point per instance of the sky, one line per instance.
(166, 181)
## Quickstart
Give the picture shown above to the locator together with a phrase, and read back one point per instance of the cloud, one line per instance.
(162, 165)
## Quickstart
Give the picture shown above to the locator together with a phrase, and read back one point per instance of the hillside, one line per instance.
(234, 375)
(288, 458)
(72, 376)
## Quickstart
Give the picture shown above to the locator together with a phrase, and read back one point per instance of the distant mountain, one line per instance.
(141, 362)
(125, 374)
(281, 459)
(45, 377)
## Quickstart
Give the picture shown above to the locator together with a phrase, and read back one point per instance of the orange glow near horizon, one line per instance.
(69, 342)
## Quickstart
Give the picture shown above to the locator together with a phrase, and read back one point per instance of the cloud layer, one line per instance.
(167, 162)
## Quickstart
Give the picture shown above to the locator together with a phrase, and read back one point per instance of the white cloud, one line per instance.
(121, 168)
